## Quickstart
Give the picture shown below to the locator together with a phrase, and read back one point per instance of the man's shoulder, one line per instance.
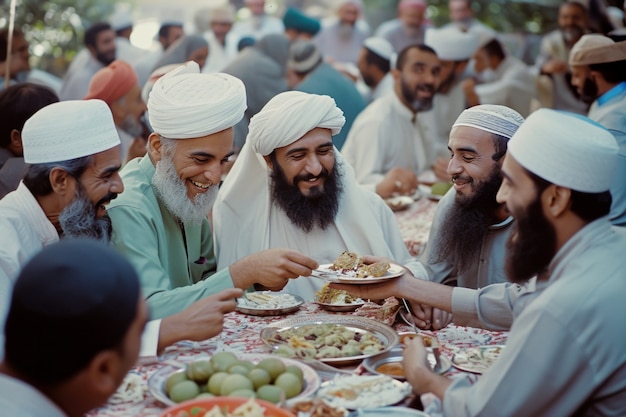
(138, 191)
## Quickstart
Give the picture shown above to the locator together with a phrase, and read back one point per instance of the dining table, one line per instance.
(241, 335)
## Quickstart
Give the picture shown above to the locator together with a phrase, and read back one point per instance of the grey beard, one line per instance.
(79, 219)
(172, 191)
(345, 31)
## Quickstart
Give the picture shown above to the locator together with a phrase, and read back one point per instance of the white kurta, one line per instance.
(566, 352)
(219, 55)
(81, 71)
(384, 136)
(127, 52)
(17, 398)
(513, 87)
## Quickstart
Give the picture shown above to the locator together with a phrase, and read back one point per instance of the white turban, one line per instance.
(185, 104)
(452, 44)
(68, 130)
(566, 149)
(491, 118)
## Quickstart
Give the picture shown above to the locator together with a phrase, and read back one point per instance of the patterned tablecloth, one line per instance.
(414, 224)
(241, 334)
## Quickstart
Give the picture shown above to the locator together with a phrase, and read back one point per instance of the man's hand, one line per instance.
(554, 66)
(417, 370)
(271, 268)
(398, 181)
(427, 317)
(469, 89)
(200, 321)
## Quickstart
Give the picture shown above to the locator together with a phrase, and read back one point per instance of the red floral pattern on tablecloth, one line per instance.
(241, 334)
(414, 224)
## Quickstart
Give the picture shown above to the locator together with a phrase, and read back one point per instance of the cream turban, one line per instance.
(491, 118)
(68, 130)
(451, 44)
(566, 149)
(185, 104)
(597, 49)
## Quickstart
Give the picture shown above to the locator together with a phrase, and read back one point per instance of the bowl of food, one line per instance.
(337, 300)
(226, 407)
(262, 376)
(390, 363)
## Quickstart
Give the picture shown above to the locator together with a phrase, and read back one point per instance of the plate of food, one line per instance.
(331, 338)
(399, 202)
(337, 300)
(363, 391)
(268, 303)
(226, 407)
(477, 359)
(390, 363)
(349, 268)
(172, 384)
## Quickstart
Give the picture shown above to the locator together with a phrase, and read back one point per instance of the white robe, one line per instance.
(79, 74)
(219, 55)
(17, 398)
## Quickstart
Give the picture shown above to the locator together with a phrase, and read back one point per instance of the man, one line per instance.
(454, 49)
(291, 188)
(258, 24)
(385, 145)
(116, 85)
(409, 28)
(557, 174)
(98, 53)
(19, 66)
(462, 16)
(221, 50)
(160, 223)
(551, 63)
(599, 74)
(299, 25)
(17, 104)
(122, 24)
(83, 298)
(72, 177)
(341, 39)
(374, 65)
(504, 79)
(169, 32)
(309, 73)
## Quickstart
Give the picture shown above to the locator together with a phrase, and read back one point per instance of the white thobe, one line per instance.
(219, 55)
(17, 398)
(127, 52)
(79, 74)
(384, 136)
(566, 351)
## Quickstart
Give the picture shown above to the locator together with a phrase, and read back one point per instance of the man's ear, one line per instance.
(60, 181)
(395, 73)
(155, 147)
(557, 200)
(15, 146)
(268, 161)
(103, 371)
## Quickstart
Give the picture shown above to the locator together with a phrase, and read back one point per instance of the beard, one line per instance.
(410, 95)
(589, 91)
(467, 223)
(319, 208)
(171, 190)
(444, 85)
(79, 218)
(531, 245)
(571, 34)
(105, 57)
(345, 30)
(368, 80)
(133, 127)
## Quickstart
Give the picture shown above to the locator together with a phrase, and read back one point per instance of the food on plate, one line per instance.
(391, 368)
(222, 407)
(317, 408)
(225, 375)
(249, 409)
(477, 359)
(440, 188)
(406, 337)
(325, 341)
(266, 300)
(363, 391)
(351, 264)
(385, 313)
(329, 295)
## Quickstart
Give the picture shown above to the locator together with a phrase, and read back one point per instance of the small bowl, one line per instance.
(393, 361)
(229, 403)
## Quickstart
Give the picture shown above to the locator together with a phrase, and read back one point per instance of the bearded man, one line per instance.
(567, 267)
(161, 223)
(385, 145)
(290, 187)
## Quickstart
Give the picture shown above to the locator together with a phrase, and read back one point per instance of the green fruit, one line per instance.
(221, 361)
(247, 364)
(183, 391)
(259, 377)
(270, 393)
(243, 393)
(440, 188)
(205, 395)
(273, 366)
(200, 371)
(290, 383)
(234, 382)
(215, 382)
(296, 370)
(174, 379)
(238, 369)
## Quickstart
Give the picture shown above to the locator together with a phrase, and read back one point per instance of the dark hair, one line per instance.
(37, 176)
(575, 4)
(500, 145)
(494, 48)
(378, 61)
(612, 72)
(91, 34)
(402, 55)
(164, 30)
(19, 102)
(4, 42)
(587, 206)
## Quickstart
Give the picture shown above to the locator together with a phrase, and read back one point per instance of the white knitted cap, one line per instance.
(452, 44)
(379, 46)
(491, 118)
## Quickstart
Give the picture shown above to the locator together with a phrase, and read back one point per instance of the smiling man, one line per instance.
(160, 223)
(385, 145)
(290, 187)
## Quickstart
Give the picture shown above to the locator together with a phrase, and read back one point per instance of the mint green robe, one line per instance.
(175, 262)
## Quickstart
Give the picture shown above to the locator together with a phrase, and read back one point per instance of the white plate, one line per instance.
(359, 391)
(156, 382)
(477, 359)
(336, 276)
(395, 356)
(425, 189)
(260, 310)
(399, 202)
(391, 412)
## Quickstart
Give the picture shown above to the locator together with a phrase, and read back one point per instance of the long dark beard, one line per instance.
(531, 245)
(79, 218)
(410, 95)
(467, 223)
(589, 91)
(319, 208)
